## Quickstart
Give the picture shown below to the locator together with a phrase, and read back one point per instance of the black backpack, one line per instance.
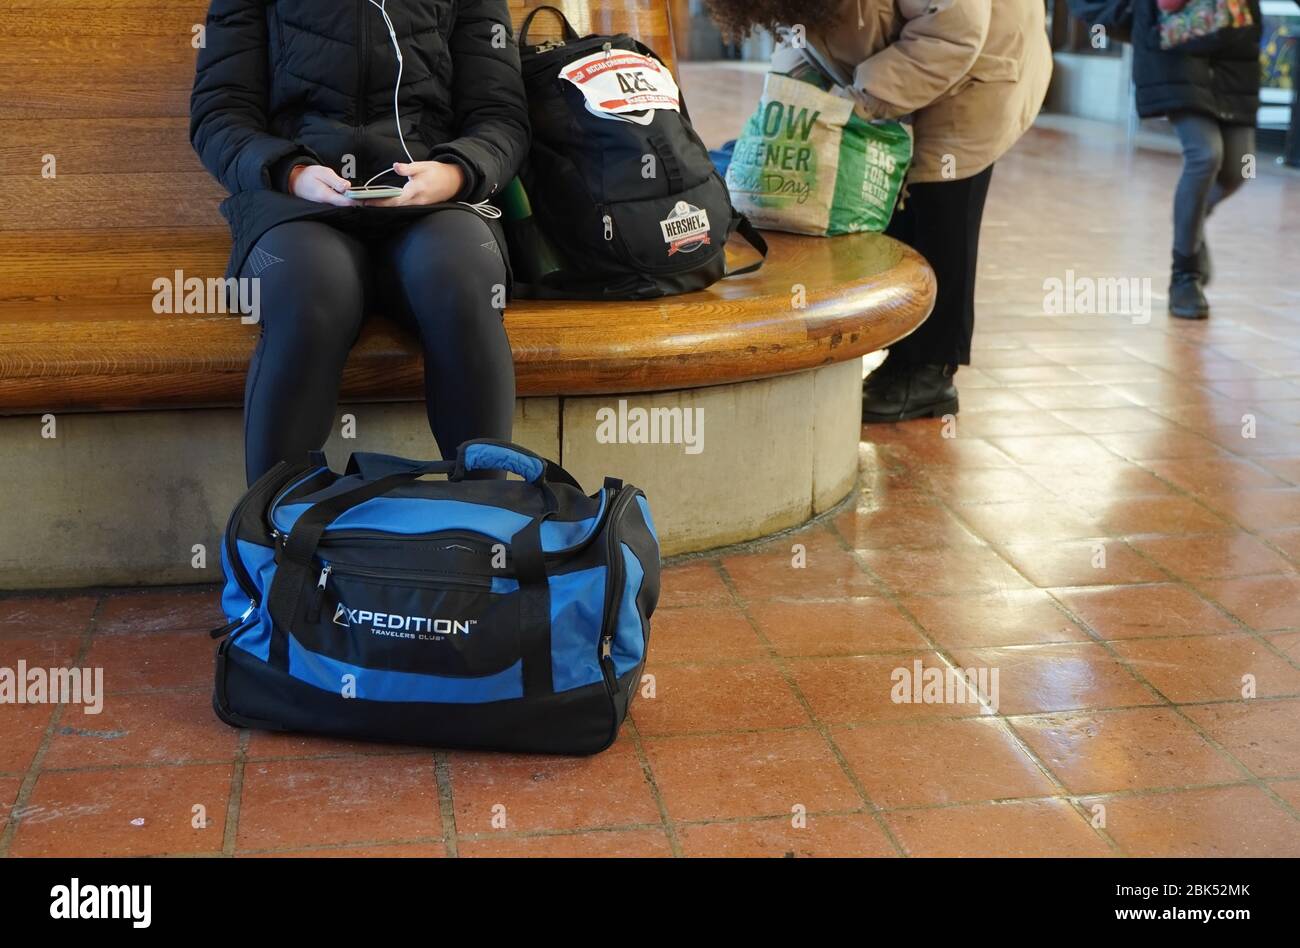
(625, 210)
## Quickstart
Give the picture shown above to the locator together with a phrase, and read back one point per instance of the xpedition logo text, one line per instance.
(390, 623)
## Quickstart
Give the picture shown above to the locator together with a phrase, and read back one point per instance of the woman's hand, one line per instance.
(428, 182)
(320, 184)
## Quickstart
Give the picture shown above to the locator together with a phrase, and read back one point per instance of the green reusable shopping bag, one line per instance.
(806, 163)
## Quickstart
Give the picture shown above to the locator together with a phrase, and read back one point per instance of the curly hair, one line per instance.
(738, 18)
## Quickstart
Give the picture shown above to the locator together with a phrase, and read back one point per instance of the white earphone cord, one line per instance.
(483, 208)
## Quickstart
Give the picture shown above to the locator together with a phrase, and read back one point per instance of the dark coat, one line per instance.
(1222, 83)
(287, 82)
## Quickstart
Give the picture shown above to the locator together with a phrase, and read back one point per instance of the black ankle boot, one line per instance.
(1186, 298)
(901, 392)
(1204, 265)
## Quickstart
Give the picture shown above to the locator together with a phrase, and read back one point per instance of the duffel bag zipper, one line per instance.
(481, 545)
(551, 557)
(614, 580)
(397, 577)
(223, 631)
(242, 578)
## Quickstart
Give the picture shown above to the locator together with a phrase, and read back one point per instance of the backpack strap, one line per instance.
(668, 160)
(756, 240)
(570, 34)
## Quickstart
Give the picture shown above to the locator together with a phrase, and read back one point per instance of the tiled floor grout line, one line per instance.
(820, 726)
(1072, 798)
(28, 785)
(1177, 489)
(1108, 646)
(688, 734)
(666, 821)
(1176, 579)
(1251, 777)
(951, 660)
(335, 847)
(234, 802)
(726, 661)
(446, 802)
(1171, 578)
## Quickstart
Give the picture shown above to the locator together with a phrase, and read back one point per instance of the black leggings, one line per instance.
(1213, 155)
(443, 276)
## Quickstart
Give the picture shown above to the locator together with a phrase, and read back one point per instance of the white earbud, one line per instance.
(483, 208)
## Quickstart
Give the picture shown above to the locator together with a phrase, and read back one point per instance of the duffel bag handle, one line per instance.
(482, 454)
(570, 34)
(372, 466)
(485, 454)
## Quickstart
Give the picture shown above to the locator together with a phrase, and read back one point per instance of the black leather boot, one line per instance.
(900, 392)
(1186, 298)
(1204, 265)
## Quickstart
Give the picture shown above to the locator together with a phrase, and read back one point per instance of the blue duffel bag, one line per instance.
(457, 612)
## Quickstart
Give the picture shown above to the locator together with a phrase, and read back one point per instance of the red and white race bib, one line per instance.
(618, 82)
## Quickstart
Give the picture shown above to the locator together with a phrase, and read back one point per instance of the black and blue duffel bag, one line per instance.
(458, 612)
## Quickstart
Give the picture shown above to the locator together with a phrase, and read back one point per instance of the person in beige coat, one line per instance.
(971, 75)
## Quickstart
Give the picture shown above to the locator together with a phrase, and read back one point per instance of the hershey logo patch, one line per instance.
(686, 230)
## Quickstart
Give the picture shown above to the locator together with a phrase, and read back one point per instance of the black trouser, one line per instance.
(941, 221)
(443, 276)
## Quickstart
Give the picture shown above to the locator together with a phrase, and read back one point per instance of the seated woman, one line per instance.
(292, 98)
(973, 74)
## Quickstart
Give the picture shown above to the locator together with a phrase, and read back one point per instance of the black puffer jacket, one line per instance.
(285, 82)
(1223, 83)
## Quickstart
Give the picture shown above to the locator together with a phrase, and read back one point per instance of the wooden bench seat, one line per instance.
(99, 350)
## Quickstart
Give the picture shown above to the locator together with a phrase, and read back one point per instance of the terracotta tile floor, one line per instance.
(1103, 531)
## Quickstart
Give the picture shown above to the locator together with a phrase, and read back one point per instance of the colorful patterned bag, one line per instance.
(1196, 27)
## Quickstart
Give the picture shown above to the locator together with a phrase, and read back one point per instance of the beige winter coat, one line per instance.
(973, 73)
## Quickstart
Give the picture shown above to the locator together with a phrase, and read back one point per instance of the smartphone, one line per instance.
(371, 194)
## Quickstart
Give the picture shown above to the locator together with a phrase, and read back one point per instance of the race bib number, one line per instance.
(619, 81)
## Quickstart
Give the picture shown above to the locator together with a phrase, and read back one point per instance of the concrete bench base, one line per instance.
(125, 498)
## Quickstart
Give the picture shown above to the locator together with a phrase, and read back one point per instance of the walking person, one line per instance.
(1211, 97)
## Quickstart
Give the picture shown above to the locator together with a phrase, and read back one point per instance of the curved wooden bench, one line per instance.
(97, 354)
(128, 485)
